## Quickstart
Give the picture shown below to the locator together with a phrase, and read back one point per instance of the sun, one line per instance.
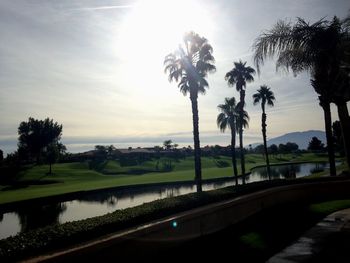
(153, 29)
(156, 27)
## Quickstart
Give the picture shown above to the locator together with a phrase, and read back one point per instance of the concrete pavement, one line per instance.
(328, 241)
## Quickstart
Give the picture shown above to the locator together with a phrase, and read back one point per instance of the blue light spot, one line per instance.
(174, 224)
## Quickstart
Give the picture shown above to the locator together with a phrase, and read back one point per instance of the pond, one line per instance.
(92, 205)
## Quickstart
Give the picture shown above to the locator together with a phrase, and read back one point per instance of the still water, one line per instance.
(92, 205)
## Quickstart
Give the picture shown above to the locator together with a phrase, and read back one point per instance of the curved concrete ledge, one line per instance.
(199, 222)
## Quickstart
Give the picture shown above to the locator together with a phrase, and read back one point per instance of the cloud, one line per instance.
(105, 7)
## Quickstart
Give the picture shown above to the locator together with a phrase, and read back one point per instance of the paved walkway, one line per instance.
(328, 241)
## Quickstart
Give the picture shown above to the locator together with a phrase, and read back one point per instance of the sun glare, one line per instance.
(153, 29)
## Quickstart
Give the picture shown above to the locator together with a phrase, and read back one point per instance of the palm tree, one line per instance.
(239, 76)
(265, 96)
(229, 118)
(341, 84)
(189, 65)
(341, 97)
(304, 47)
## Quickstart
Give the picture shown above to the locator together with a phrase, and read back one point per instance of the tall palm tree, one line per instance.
(189, 66)
(304, 47)
(265, 96)
(341, 83)
(229, 118)
(341, 97)
(239, 76)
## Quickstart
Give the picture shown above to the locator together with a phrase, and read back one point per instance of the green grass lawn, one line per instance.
(71, 177)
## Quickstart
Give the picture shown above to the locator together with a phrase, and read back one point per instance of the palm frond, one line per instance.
(222, 122)
(265, 95)
(229, 114)
(184, 85)
(239, 75)
(272, 42)
(190, 64)
(245, 121)
(256, 98)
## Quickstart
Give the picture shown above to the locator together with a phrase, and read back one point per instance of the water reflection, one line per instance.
(279, 172)
(287, 171)
(40, 216)
(108, 201)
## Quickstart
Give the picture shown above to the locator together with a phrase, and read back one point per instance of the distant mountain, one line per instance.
(300, 138)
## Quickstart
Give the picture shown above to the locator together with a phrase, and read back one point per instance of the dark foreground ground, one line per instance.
(328, 241)
(256, 240)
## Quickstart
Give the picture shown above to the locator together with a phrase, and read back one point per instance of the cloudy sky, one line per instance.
(97, 68)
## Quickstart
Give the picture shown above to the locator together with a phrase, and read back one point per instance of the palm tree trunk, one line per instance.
(344, 119)
(328, 127)
(263, 129)
(197, 149)
(242, 156)
(242, 96)
(233, 154)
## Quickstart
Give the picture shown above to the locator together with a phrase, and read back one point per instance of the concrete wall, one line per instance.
(199, 222)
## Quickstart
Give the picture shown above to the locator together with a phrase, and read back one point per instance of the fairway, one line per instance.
(72, 177)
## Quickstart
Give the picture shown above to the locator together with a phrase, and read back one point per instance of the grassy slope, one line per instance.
(77, 176)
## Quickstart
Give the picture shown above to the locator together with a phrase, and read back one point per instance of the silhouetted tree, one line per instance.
(101, 152)
(111, 151)
(273, 149)
(291, 147)
(51, 154)
(282, 148)
(239, 76)
(259, 149)
(315, 145)
(338, 137)
(340, 77)
(228, 118)
(1, 156)
(167, 144)
(341, 96)
(303, 47)
(265, 96)
(189, 65)
(36, 135)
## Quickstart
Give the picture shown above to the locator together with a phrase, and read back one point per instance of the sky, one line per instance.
(96, 67)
